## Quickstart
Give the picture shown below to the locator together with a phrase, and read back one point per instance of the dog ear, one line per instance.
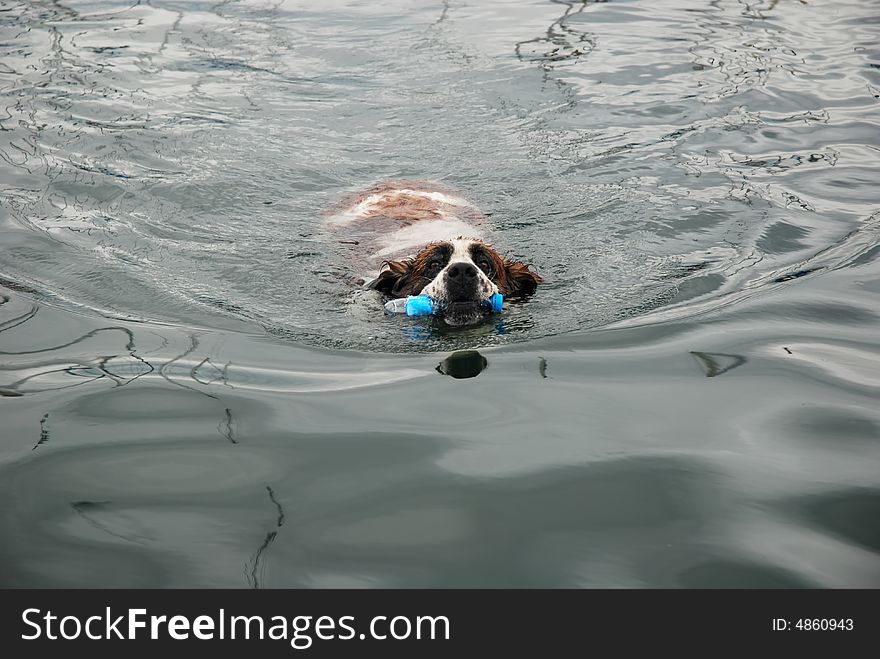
(519, 281)
(394, 278)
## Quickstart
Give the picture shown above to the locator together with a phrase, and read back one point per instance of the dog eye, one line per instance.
(484, 265)
(435, 264)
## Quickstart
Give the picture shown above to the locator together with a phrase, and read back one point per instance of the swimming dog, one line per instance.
(428, 239)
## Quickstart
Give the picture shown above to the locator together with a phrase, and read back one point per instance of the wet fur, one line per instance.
(392, 219)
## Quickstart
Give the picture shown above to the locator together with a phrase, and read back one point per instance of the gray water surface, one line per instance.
(194, 392)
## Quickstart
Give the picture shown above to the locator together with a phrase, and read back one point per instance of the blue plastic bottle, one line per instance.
(422, 305)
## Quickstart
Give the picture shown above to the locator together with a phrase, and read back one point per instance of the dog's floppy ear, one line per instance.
(519, 281)
(394, 278)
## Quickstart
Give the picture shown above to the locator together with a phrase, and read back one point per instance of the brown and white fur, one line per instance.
(426, 238)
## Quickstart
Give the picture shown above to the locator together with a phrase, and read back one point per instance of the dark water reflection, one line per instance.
(463, 364)
(212, 459)
(193, 393)
(383, 514)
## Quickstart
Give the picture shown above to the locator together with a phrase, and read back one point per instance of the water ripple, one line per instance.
(192, 160)
(196, 392)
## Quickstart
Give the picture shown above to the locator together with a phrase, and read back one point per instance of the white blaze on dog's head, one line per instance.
(465, 275)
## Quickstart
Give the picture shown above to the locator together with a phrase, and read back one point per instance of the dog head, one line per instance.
(460, 275)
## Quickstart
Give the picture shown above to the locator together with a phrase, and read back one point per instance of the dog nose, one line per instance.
(461, 271)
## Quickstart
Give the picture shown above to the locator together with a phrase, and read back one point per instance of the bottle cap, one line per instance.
(495, 302)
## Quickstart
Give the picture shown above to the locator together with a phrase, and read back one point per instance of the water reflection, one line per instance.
(733, 161)
(120, 355)
(330, 485)
(463, 364)
(254, 574)
(717, 363)
(565, 40)
(138, 187)
(384, 514)
(844, 513)
(542, 367)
